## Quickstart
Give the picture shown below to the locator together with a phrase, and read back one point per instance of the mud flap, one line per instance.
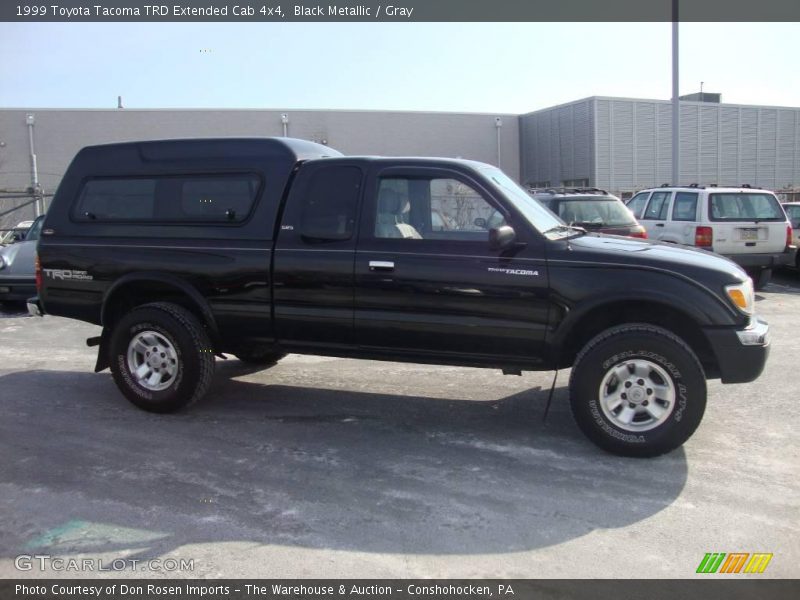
(102, 352)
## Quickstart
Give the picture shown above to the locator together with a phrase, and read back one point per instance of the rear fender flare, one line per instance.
(185, 288)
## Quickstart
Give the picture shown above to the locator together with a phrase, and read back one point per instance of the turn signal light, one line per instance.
(742, 296)
(704, 237)
(788, 235)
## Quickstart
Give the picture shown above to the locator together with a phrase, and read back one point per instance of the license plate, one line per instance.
(749, 234)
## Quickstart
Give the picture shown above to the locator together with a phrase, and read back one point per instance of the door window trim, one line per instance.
(663, 211)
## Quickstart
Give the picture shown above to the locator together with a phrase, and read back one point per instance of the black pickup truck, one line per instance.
(183, 250)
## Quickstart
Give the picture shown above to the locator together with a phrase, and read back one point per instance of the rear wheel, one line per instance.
(637, 390)
(161, 357)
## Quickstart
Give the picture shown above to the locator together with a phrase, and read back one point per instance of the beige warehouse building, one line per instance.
(618, 144)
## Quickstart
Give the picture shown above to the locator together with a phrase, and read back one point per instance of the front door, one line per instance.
(427, 282)
(654, 218)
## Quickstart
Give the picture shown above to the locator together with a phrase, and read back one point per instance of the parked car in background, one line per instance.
(17, 266)
(744, 224)
(15, 235)
(591, 208)
(792, 210)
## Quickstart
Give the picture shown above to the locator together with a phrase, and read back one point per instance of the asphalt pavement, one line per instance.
(323, 467)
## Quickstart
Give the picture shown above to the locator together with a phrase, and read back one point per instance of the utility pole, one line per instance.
(676, 107)
(498, 123)
(36, 189)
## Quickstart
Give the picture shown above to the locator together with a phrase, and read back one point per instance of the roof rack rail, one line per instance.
(591, 189)
(700, 186)
(568, 190)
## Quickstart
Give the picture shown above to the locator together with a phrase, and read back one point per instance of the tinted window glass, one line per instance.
(219, 198)
(657, 209)
(745, 207)
(112, 199)
(637, 203)
(331, 201)
(685, 206)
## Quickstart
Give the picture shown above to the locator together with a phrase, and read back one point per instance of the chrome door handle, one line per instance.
(381, 265)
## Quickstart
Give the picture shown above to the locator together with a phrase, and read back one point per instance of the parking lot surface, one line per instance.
(322, 467)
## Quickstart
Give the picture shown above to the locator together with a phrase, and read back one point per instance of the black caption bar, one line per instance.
(32, 11)
(399, 589)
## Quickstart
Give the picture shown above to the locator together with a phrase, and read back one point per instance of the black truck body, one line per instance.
(265, 246)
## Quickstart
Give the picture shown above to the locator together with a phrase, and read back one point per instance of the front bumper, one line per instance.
(741, 353)
(17, 288)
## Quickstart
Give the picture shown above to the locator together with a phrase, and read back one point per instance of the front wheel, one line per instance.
(637, 390)
(161, 357)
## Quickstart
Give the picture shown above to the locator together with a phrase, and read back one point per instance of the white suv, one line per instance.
(745, 224)
(793, 212)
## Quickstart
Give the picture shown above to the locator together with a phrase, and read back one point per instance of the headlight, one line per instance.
(742, 296)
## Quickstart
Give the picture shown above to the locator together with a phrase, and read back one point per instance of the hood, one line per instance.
(18, 258)
(671, 257)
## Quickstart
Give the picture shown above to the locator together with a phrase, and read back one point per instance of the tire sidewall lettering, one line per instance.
(613, 431)
(682, 393)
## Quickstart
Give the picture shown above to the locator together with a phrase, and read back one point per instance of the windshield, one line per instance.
(599, 212)
(544, 221)
(35, 231)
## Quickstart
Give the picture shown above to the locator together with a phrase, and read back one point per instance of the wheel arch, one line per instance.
(144, 287)
(579, 328)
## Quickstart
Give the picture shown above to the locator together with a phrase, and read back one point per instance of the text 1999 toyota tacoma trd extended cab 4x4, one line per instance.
(185, 249)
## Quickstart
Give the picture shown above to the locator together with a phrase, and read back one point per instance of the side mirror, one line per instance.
(501, 238)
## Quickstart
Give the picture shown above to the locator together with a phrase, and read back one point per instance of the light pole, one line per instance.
(676, 110)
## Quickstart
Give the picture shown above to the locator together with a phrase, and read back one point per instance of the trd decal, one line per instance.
(67, 274)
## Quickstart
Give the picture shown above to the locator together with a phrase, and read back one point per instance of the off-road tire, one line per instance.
(643, 344)
(194, 356)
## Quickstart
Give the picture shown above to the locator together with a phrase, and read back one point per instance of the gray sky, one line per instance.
(473, 67)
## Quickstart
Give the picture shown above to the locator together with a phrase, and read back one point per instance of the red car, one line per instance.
(593, 209)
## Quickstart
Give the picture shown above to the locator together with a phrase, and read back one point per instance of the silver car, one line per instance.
(17, 273)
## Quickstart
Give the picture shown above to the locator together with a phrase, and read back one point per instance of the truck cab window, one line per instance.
(438, 209)
(329, 212)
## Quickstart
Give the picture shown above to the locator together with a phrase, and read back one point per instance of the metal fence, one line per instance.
(21, 205)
